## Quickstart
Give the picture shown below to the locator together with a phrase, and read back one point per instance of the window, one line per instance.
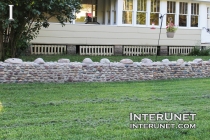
(171, 10)
(127, 11)
(194, 14)
(141, 12)
(183, 14)
(154, 14)
(87, 12)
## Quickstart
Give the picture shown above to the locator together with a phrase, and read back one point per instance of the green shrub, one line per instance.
(205, 52)
(197, 52)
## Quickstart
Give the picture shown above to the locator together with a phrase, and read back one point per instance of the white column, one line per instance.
(107, 9)
(115, 12)
(134, 12)
(119, 12)
(163, 10)
(202, 21)
(177, 14)
(112, 9)
(105, 12)
(189, 15)
(148, 13)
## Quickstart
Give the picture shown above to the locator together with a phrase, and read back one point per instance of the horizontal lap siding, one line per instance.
(114, 35)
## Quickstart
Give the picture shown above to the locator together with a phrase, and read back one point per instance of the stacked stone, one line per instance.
(16, 71)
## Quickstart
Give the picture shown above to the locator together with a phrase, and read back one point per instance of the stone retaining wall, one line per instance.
(25, 72)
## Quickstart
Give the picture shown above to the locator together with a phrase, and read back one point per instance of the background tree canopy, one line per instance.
(29, 16)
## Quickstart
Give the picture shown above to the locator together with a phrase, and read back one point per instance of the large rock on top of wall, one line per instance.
(39, 61)
(180, 61)
(13, 61)
(63, 61)
(104, 61)
(165, 61)
(198, 60)
(126, 61)
(146, 61)
(87, 61)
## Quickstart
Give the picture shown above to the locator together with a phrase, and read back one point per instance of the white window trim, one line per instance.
(135, 15)
(148, 14)
(159, 20)
(195, 15)
(188, 16)
(132, 24)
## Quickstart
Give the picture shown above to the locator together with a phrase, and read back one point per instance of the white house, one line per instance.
(124, 27)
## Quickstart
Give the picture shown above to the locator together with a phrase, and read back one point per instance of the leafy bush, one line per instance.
(198, 52)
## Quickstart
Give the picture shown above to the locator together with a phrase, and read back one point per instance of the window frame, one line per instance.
(127, 10)
(153, 11)
(194, 14)
(183, 14)
(144, 10)
(171, 12)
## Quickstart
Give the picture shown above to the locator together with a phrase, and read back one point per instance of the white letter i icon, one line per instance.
(10, 12)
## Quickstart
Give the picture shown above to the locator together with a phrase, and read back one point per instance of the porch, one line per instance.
(128, 22)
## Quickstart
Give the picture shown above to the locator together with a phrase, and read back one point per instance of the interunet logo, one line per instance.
(162, 117)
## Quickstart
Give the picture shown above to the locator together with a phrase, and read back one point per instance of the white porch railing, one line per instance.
(96, 50)
(48, 49)
(139, 50)
(180, 50)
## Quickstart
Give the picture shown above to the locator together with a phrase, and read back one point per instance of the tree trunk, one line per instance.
(1, 45)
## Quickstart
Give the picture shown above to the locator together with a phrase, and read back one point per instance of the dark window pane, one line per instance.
(183, 20)
(154, 17)
(141, 5)
(183, 8)
(194, 21)
(141, 18)
(171, 7)
(155, 5)
(127, 17)
(128, 5)
(170, 17)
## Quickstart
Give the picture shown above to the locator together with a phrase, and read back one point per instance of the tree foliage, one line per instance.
(29, 17)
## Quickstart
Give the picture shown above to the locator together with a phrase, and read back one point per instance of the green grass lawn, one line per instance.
(79, 58)
(93, 111)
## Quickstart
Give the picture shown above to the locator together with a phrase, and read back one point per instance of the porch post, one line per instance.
(189, 15)
(112, 9)
(148, 13)
(119, 12)
(107, 12)
(163, 10)
(177, 14)
(202, 20)
(134, 12)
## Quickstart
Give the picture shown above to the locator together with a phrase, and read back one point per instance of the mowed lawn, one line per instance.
(94, 111)
(80, 58)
